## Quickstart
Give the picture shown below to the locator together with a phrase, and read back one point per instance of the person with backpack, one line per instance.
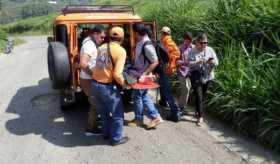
(107, 73)
(88, 56)
(166, 95)
(202, 61)
(144, 63)
(183, 71)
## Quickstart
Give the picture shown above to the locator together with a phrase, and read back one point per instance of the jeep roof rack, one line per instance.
(97, 9)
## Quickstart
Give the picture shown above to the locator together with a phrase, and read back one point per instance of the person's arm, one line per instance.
(89, 49)
(213, 60)
(119, 67)
(151, 54)
(151, 68)
(85, 58)
(193, 62)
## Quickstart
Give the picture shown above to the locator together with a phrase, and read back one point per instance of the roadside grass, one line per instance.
(3, 37)
(246, 37)
(18, 41)
(2, 46)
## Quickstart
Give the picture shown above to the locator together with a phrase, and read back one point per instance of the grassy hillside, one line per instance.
(14, 10)
(37, 25)
(43, 24)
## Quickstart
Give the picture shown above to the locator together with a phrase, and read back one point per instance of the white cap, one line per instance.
(166, 29)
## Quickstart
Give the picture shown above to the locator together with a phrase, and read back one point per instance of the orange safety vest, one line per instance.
(173, 53)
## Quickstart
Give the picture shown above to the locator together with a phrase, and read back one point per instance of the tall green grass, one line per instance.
(3, 38)
(246, 36)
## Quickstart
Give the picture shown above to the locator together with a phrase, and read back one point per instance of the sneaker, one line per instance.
(98, 119)
(93, 132)
(163, 103)
(106, 137)
(136, 123)
(154, 122)
(119, 142)
(174, 117)
(199, 121)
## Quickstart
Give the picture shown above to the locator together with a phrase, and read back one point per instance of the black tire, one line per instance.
(58, 65)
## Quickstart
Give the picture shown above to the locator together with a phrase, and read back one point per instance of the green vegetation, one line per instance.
(246, 35)
(37, 25)
(3, 37)
(14, 10)
(3, 40)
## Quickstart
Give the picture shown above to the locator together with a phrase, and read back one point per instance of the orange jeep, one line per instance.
(68, 32)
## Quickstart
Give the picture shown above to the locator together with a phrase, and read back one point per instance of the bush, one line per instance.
(246, 36)
(39, 24)
(3, 38)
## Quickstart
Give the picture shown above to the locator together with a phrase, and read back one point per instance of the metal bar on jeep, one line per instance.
(97, 8)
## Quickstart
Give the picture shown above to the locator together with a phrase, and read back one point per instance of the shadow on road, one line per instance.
(39, 113)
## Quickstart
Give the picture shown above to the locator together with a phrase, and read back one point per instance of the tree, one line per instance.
(32, 10)
(1, 3)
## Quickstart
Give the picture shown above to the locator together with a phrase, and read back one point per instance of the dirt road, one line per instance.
(34, 130)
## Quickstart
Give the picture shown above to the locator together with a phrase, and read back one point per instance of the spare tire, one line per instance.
(58, 65)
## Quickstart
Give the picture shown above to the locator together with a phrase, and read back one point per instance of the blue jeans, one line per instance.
(109, 101)
(166, 92)
(141, 101)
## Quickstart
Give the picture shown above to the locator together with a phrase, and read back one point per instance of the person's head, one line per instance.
(187, 38)
(165, 31)
(140, 31)
(116, 34)
(201, 42)
(98, 33)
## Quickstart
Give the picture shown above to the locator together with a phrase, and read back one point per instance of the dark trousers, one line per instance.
(109, 105)
(200, 96)
(166, 91)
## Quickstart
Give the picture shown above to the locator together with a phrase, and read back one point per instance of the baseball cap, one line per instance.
(166, 29)
(117, 32)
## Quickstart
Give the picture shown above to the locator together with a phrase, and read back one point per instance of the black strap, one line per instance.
(110, 54)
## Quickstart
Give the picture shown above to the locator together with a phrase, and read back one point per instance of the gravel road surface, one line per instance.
(34, 130)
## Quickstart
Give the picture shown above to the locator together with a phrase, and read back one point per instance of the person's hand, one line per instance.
(127, 85)
(146, 78)
(77, 66)
(142, 78)
(201, 61)
(210, 61)
(179, 62)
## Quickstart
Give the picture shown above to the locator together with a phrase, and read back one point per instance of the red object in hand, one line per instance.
(145, 82)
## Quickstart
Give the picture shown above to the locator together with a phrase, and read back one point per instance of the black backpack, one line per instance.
(161, 52)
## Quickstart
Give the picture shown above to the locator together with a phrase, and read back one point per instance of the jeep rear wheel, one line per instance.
(58, 65)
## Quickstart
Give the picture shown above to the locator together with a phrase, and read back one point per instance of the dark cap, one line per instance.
(141, 29)
(187, 35)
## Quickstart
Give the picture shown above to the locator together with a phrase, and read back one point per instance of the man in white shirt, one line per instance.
(88, 56)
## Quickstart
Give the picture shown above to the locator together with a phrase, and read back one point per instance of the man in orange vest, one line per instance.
(107, 72)
(164, 80)
(172, 49)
